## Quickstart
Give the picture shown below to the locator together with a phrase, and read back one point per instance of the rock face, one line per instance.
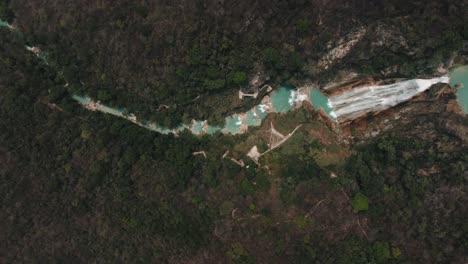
(352, 81)
(358, 102)
(340, 51)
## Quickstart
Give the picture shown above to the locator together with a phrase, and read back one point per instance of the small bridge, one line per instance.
(242, 95)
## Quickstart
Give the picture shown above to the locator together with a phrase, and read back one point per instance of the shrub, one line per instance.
(302, 25)
(238, 77)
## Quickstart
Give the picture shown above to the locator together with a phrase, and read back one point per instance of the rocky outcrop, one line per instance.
(342, 49)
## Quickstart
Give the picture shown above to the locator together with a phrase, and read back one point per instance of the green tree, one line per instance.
(238, 254)
(295, 62)
(103, 95)
(215, 84)
(238, 77)
(263, 182)
(245, 187)
(302, 25)
(271, 56)
(5, 12)
(380, 251)
(360, 202)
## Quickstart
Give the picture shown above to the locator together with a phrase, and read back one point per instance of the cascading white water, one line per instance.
(359, 101)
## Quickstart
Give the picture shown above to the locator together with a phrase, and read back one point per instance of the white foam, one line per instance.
(297, 97)
(356, 102)
(263, 108)
(239, 122)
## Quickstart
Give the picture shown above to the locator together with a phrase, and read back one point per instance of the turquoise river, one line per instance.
(459, 76)
(281, 100)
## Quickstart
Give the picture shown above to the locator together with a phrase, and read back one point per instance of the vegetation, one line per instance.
(127, 55)
(360, 202)
(6, 14)
(79, 186)
(391, 172)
